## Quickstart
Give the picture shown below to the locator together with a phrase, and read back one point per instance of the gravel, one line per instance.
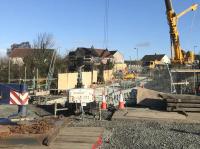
(140, 134)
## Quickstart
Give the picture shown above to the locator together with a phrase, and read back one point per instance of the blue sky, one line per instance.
(75, 23)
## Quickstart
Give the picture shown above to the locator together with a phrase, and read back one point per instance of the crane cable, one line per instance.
(106, 24)
(193, 20)
(194, 17)
(192, 24)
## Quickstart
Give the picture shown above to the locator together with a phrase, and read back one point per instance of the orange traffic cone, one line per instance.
(121, 102)
(104, 105)
(142, 85)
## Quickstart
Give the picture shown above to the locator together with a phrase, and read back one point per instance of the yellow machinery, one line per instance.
(130, 76)
(179, 56)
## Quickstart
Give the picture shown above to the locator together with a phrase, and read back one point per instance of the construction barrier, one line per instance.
(121, 102)
(15, 94)
(104, 104)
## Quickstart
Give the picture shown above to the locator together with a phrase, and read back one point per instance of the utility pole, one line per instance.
(9, 70)
(25, 74)
(137, 52)
(37, 79)
(195, 55)
(195, 49)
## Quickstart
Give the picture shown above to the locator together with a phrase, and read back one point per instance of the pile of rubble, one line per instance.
(37, 127)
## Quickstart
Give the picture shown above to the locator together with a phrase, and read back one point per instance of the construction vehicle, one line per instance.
(179, 56)
(130, 75)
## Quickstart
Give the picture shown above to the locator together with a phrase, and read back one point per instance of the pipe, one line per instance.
(22, 110)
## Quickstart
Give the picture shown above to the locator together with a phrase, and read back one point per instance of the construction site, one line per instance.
(92, 98)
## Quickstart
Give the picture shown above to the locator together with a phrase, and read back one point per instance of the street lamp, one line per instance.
(9, 70)
(137, 52)
(195, 48)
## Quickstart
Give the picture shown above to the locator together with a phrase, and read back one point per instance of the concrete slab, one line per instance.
(150, 98)
(144, 113)
(156, 115)
(192, 116)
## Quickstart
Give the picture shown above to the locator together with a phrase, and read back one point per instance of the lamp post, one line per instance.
(194, 72)
(194, 49)
(9, 70)
(137, 52)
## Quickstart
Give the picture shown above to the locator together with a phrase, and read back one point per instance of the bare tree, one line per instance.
(44, 41)
(43, 48)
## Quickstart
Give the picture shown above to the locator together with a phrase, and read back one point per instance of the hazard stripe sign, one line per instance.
(17, 98)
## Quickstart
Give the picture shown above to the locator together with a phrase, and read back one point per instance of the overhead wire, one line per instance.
(106, 24)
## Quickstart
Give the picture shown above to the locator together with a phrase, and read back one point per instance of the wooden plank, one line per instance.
(155, 115)
(148, 114)
(186, 105)
(180, 96)
(185, 70)
(70, 138)
(183, 109)
(82, 130)
(24, 147)
(76, 139)
(183, 100)
(71, 146)
(54, 146)
(91, 129)
(68, 134)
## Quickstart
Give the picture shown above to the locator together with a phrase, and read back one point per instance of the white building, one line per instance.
(118, 57)
(157, 59)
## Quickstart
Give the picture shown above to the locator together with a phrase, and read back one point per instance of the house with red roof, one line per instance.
(93, 56)
(17, 55)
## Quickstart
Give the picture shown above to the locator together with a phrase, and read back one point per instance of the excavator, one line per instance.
(179, 56)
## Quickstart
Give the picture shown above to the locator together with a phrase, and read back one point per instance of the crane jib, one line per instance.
(178, 55)
(168, 4)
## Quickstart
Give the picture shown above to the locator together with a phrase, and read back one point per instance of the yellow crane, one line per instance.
(179, 56)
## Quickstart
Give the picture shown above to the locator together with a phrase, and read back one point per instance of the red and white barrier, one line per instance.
(17, 98)
(121, 102)
(104, 104)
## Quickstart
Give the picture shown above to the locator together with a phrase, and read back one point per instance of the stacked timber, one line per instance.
(184, 103)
